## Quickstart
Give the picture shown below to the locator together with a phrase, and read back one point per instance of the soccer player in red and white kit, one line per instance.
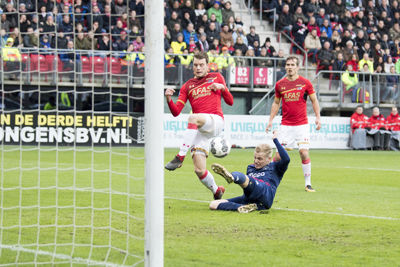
(292, 91)
(204, 93)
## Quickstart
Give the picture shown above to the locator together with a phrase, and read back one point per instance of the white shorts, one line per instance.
(294, 136)
(213, 127)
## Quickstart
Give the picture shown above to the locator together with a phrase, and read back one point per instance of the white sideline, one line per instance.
(307, 211)
(60, 256)
(372, 169)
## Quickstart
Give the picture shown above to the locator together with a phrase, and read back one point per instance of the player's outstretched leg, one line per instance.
(247, 208)
(174, 164)
(221, 170)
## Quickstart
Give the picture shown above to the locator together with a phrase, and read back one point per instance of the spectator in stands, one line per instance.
(353, 62)
(336, 40)
(227, 12)
(338, 65)
(366, 48)
(312, 44)
(239, 32)
(252, 36)
(299, 14)
(321, 16)
(12, 15)
(394, 32)
(213, 19)
(17, 37)
(350, 81)
(49, 27)
(263, 61)
(231, 24)
(338, 9)
(174, 32)
(61, 41)
(203, 43)
(84, 42)
(66, 26)
(217, 46)
(389, 64)
(366, 60)
(23, 23)
(358, 122)
(270, 49)
(377, 52)
(225, 35)
(326, 27)
(349, 51)
(240, 45)
(280, 64)
(377, 128)
(257, 48)
(216, 10)
(105, 43)
(299, 33)
(239, 60)
(325, 58)
(31, 39)
(179, 45)
(4, 23)
(393, 122)
(45, 42)
(11, 57)
(250, 55)
(238, 21)
(391, 92)
(312, 24)
(212, 33)
(225, 60)
(185, 59)
(285, 21)
(397, 66)
(200, 11)
(188, 33)
(202, 21)
(121, 44)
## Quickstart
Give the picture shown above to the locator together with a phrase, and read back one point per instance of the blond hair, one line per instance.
(264, 148)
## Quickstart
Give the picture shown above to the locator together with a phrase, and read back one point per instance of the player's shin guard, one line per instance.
(208, 180)
(228, 206)
(238, 177)
(188, 139)
(306, 165)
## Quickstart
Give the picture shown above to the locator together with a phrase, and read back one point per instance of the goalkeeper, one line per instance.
(260, 183)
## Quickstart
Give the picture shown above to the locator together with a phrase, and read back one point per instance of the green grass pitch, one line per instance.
(352, 220)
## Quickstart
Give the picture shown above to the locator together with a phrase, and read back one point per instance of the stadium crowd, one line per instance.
(335, 33)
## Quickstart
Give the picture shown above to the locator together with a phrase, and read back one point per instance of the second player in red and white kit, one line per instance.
(293, 91)
(204, 92)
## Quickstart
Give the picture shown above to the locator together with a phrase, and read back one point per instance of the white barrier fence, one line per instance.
(249, 131)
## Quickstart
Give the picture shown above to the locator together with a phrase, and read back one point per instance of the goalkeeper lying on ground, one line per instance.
(260, 183)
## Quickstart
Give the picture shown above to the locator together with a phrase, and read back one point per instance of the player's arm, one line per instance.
(283, 163)
(220, 84)
(274, 110)
(315, 105)
(180, 103)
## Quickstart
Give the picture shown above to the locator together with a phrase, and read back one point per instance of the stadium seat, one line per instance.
(98, 64)
(39, 65)
(114, 67)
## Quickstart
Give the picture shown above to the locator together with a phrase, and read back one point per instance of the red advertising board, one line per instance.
(242, 75)
(260, 76)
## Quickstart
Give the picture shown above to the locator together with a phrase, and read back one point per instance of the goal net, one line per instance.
(72, 164)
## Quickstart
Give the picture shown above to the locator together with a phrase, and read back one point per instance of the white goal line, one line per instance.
(306, 211)
(62, 256)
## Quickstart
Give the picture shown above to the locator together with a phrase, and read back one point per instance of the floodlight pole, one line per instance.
(154, 141)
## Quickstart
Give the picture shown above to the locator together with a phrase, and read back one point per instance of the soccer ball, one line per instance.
(220, 147)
